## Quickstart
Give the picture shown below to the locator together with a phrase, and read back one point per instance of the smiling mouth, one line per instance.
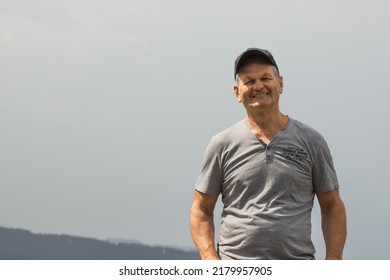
(259, 95)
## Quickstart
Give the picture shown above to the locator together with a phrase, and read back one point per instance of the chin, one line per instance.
(257, 105)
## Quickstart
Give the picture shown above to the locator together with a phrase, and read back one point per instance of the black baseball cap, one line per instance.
(252, 53)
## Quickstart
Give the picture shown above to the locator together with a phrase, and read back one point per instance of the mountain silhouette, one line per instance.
(19, 244)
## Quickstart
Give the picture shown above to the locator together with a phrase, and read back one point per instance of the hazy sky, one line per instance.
(106, 107)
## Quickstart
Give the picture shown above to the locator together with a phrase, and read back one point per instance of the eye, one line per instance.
(266, 79)
(250, 82)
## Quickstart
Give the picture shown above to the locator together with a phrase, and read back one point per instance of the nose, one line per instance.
(258, 85)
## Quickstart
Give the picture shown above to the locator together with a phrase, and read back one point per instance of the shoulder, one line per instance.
(229, 137)
(310, 139)
(231, 133)
(305, 131)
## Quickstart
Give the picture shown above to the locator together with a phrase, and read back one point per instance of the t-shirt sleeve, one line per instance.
(210, 177)
(324, 173)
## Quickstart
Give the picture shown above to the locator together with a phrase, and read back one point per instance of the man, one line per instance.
(268, 169)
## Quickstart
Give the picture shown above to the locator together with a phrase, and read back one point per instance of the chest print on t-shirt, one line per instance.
(293, 153)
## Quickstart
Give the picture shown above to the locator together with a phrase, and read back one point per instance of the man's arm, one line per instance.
(202, 225)
(334, 225)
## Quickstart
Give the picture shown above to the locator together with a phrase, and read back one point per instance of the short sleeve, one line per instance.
(210, 177)
(324, 173)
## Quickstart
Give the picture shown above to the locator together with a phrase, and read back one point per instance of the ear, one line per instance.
(237, 92)
(281, 84)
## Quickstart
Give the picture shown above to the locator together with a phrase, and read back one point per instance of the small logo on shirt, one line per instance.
(292, 153)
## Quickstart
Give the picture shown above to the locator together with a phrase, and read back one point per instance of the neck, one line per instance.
(266, 126)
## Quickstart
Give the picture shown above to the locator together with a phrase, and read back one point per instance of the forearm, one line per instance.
(335, 230)
(202, 231)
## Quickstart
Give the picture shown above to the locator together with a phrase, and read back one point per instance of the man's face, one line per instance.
(258, 87)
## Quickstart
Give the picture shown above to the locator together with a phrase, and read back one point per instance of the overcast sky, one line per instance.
(106, 108)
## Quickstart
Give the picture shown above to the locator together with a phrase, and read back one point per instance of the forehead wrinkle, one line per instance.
(247, 75)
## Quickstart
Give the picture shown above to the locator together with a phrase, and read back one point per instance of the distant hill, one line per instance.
(18, 244)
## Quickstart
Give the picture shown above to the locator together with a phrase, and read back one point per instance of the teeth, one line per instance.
(259, 95)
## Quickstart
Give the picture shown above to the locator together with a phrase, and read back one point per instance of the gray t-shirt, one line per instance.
(267, 190)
